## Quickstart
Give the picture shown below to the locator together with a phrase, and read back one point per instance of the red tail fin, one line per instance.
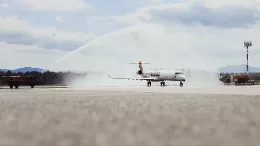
(140, 65)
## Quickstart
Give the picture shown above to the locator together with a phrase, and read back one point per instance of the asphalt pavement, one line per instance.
(130, 117)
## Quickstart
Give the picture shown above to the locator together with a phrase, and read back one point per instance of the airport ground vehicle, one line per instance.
(16, 81)
(237, 78)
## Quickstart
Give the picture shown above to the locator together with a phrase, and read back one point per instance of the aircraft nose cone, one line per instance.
(183, 77)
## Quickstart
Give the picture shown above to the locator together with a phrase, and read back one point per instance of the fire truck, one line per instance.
(237, 78)
(16, 81)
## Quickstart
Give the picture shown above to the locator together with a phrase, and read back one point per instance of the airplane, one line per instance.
(157, 75)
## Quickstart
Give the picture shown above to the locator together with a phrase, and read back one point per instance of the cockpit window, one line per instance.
(178, 73)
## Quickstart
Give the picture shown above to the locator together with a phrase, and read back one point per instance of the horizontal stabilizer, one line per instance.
(138, 63)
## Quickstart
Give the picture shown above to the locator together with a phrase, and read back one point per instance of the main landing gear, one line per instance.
(162, 84)
(149, 83)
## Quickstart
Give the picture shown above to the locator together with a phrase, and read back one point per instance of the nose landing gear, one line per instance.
(181, 84)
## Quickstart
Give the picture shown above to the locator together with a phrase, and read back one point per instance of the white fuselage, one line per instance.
(163, 75)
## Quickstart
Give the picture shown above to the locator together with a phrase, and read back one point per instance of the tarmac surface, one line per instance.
(136, 116)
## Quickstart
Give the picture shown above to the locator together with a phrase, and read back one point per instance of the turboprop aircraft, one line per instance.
(157, 75)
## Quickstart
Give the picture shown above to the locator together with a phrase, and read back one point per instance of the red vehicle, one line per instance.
(237, 78)
(16, 81)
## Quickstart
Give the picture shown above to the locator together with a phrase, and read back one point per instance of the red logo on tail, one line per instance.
(140, 67)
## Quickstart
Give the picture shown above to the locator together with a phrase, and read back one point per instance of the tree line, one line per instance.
(48, 77)
(63, 78)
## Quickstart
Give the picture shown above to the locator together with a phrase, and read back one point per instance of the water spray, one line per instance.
(98, 39)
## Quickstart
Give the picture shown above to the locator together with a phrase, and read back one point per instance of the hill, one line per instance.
(238, 68)
(23, 70)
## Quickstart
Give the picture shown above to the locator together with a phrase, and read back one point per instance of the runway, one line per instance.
(192, 89)
(131, 116)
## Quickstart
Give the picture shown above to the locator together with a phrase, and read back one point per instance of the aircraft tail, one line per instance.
(140, 65)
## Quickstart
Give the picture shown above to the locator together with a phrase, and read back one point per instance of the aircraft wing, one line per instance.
(151, 79)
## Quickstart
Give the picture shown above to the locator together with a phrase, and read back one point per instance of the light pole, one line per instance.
(246, 45)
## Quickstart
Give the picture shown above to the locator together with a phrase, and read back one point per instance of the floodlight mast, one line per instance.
(247, 44)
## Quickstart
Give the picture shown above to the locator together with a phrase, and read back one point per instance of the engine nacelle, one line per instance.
(139, 72)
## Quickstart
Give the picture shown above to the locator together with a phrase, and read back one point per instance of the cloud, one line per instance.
(98, 19)
(169, 35)
(57, 5)
(16, 31)
(4, 3)
(16, 55)
(59, 18)
(196, 13)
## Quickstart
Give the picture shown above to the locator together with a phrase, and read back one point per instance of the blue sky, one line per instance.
(39, 32)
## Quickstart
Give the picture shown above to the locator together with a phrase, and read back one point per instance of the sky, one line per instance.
(98, 34)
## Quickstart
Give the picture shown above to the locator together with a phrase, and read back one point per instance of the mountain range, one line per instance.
(24, 69)
(230, 68)
(238, 68)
